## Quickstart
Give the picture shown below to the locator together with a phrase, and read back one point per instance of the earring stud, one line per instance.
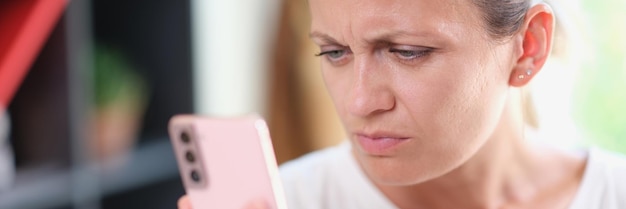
(528, 73)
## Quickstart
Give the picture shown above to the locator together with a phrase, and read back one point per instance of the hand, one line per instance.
(183, 203)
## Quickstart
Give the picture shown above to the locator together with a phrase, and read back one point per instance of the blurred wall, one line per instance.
(302, 116)
(256, 56)
(232, 41)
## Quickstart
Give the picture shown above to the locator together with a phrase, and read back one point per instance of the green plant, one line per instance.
(115, 78)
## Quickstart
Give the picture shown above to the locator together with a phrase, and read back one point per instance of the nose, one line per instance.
(371, 91)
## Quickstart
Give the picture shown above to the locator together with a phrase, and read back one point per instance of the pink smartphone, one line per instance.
(225, 163)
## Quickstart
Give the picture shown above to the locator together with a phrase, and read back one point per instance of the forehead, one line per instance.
(363, 18)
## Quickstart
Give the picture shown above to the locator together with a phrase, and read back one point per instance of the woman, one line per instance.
(429, 94)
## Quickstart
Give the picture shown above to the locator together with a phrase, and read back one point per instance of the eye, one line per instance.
(335, 56)
(405, 53)
(412, 53)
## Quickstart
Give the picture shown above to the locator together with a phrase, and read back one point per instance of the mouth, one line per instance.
(380, 144)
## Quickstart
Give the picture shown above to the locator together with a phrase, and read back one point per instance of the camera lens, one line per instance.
(195, 176)
(190, 157)
(185, 137)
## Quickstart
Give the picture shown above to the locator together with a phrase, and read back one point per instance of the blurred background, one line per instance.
(87, 128)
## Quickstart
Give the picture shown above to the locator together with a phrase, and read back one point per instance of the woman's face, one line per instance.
(419, 84)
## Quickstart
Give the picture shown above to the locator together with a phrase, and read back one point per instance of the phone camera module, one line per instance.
(190, 157)
(185, 138)
(195, 176)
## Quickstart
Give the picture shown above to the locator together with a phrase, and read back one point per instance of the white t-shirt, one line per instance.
(331, 178)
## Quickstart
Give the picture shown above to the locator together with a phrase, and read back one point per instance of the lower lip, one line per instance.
(379, 146)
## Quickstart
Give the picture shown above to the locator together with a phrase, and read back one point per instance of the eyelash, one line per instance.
(341, 57)
(416, 53)
(326, 52)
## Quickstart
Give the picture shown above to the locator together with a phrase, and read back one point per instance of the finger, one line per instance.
(183, 202)
(257, 204)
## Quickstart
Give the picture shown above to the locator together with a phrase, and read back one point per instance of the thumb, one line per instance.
(183, 202)
(257, 204)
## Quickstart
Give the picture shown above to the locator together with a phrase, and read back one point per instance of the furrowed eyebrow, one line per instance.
(324, 38)
(383, 38)
(392, 36)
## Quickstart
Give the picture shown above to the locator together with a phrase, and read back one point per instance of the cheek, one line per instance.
(477, 101)
(467, 111)
(457, 107)
(338, 86)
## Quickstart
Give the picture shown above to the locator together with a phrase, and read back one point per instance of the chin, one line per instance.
(394, 171)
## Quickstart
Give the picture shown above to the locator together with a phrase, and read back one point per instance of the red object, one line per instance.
(24, 27)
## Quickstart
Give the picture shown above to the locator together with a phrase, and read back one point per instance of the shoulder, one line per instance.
(613, 167)
(316, 165)
(604, 183)
(329, 178)
(307, 178)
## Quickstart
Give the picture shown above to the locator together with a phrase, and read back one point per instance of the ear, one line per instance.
(536, 33)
